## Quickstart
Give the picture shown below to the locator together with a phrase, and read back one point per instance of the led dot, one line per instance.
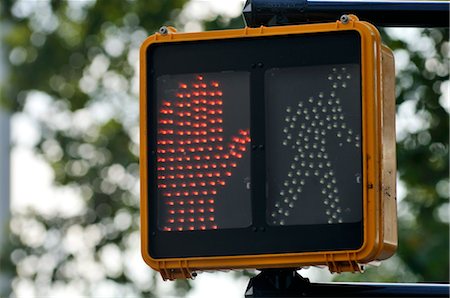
(339, 77)
(274, 214)
(277, 204)
(293, 166)
(334, 216)
(281, 222)
(330, 221)
(285, 142)
(334, 69)
(311, 99)
(288, 109)
(307, 173)
(319, 103)
(286, 213)
(321, 181)
(339, 210)
(334, 85)
(300, 104)
(302, 182)
(289, 136)
(340, 220)
(336, 200)
(287, 119)
(326, 202)
(295, 197)
(280, 211)
(285, 130)
(291, 205)
(296, 158)
(330, 77)
(282, 193)
(348, 76)
(286, 183)
(291, 191)
(286, 200)
(332, 205)
(299, 189)
(328, 212)
(344, 85)
(292, 125)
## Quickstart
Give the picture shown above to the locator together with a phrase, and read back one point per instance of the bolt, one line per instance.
(345, 19)
(164, 30)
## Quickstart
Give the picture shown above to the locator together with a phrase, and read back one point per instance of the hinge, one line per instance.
(183, 272)
(349, 265)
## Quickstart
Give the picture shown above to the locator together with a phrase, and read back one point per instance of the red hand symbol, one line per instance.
(193, 162)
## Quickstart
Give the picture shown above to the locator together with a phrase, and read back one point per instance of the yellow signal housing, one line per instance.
(378, 163)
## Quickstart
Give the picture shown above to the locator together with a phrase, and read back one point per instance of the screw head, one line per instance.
(163, 30)
(345, 19)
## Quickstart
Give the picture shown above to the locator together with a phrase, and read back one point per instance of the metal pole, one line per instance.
(288, 283)
(4, 174)
(5, 279)
(380, 13)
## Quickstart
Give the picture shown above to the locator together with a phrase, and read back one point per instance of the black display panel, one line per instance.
(203, 151)
(237, 62)
(313, 130)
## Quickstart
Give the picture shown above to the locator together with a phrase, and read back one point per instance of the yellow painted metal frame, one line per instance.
(379, 162)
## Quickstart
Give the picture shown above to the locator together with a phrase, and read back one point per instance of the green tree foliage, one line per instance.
(79, 60)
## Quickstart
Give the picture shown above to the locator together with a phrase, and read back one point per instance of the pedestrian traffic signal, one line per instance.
(267, 147)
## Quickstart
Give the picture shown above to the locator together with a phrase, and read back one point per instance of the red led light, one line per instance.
(189, 123)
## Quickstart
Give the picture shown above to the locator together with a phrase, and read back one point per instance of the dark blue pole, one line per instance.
(288, 283)
(381, 13)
